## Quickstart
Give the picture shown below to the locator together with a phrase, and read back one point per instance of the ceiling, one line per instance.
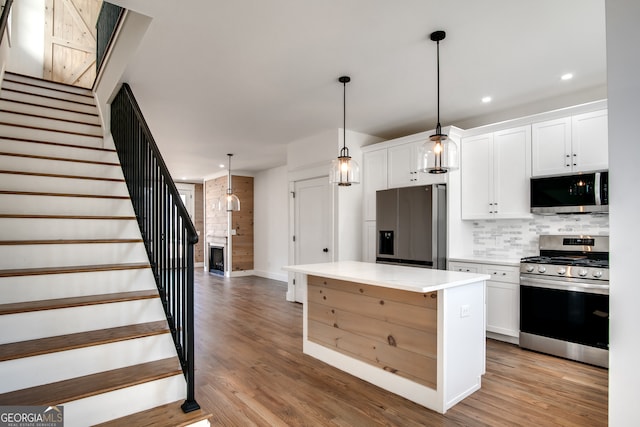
(250, 76)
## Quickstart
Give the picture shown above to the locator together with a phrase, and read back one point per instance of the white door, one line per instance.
(187, 192)
(312, 226)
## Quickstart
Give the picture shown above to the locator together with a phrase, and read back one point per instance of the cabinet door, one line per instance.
(551, 147)
(369, 242)
(503, 308)
(374, 179)
(589, 133)
(476, 178)
(511, 172)
(401, 170)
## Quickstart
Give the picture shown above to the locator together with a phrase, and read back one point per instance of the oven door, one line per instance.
(565, 310)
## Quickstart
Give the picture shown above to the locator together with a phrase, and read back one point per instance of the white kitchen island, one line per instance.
(416, 332)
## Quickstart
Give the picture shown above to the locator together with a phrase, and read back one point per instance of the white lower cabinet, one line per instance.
(502, 299)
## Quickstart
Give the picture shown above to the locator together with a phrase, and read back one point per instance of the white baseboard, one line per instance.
(199, 264)
(239, 273)
(281, 277)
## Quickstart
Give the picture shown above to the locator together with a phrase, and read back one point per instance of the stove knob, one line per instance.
(542, 269)
(597, 274)
(561, 270)
(582, 272)
(530, 268)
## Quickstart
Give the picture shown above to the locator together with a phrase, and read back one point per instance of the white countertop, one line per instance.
(414, 279)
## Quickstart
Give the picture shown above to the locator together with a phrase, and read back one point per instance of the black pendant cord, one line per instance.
(438, 127)
(344, 80)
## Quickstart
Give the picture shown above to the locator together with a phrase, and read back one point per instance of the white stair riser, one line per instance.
(46, 83)
(46, 184)
(47, 368)
(25, 164)
(42, 91)
(50, 136)
(39, 149)
(6, 105)
(55, 205)
(52, 103)
(55, 286)
(119, 403)
(67, 255)
(63, 321)
(46, 123)
(41, 228)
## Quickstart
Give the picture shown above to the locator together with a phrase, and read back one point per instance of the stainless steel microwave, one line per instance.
(566, 194)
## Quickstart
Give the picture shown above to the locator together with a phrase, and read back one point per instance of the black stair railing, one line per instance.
(166, 227)
(4, 18)
(106, 24)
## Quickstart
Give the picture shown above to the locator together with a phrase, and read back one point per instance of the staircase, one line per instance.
(82, 323)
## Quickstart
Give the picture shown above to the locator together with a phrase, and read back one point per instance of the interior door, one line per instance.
(70, 41)
(312, 210)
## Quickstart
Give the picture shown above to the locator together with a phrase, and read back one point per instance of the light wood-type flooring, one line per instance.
(250, 371)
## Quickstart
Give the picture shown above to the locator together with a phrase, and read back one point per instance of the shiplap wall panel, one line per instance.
(394, 330)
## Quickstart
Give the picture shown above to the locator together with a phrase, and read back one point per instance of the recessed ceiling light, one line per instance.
(486, 99)
(184, 178)
(567, 76)
(221, 165)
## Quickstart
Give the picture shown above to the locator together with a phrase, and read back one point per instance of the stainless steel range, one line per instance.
(564, 298)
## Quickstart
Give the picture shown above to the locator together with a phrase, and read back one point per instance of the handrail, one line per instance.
(6, 8)
(167, 229)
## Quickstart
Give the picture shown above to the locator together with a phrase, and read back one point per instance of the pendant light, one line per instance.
(229, 201)
(439, 154)
(344, 170)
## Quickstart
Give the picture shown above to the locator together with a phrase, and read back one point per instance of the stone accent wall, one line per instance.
(198, 250)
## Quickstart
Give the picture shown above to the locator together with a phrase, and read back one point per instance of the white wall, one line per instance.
(27, 38)
(349, 225)
(270, 223)
(623, 69)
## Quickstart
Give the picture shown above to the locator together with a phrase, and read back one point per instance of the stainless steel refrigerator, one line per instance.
(411, 226)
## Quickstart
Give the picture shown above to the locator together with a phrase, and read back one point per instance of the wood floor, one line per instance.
(250, 371)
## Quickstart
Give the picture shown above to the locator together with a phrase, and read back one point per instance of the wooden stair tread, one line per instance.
(60, 144)
(61, 87)
(66, 241)
(56, 175)
(61, 392)
(54, 98)
(89, 135)
(52, 304)
(44, 216)
(60, 159)
(72, 269)
(47, 345)
(169, 415)
(41, 193)
(59, 119)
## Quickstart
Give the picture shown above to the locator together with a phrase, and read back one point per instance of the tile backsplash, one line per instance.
(518, 238)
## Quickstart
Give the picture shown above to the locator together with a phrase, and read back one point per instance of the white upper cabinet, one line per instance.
(374, 179)
(590, 136)
(570, 144)
(403, 163)
(495, 171)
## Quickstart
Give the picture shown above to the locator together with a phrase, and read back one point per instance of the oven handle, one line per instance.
(565, 285)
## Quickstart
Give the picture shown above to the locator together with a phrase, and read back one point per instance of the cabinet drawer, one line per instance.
(501, 274)
(464, 267)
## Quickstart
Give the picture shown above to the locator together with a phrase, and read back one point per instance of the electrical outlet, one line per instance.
(233, 232)
(465, 310)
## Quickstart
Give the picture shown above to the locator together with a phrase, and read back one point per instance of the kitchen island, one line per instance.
(416, 332)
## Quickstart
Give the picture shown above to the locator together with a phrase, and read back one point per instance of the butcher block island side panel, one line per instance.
(416, 332)
(392, 329)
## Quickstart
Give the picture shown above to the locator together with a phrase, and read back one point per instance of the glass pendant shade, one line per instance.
(231, 201)
(344, 170)
(438, 155)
